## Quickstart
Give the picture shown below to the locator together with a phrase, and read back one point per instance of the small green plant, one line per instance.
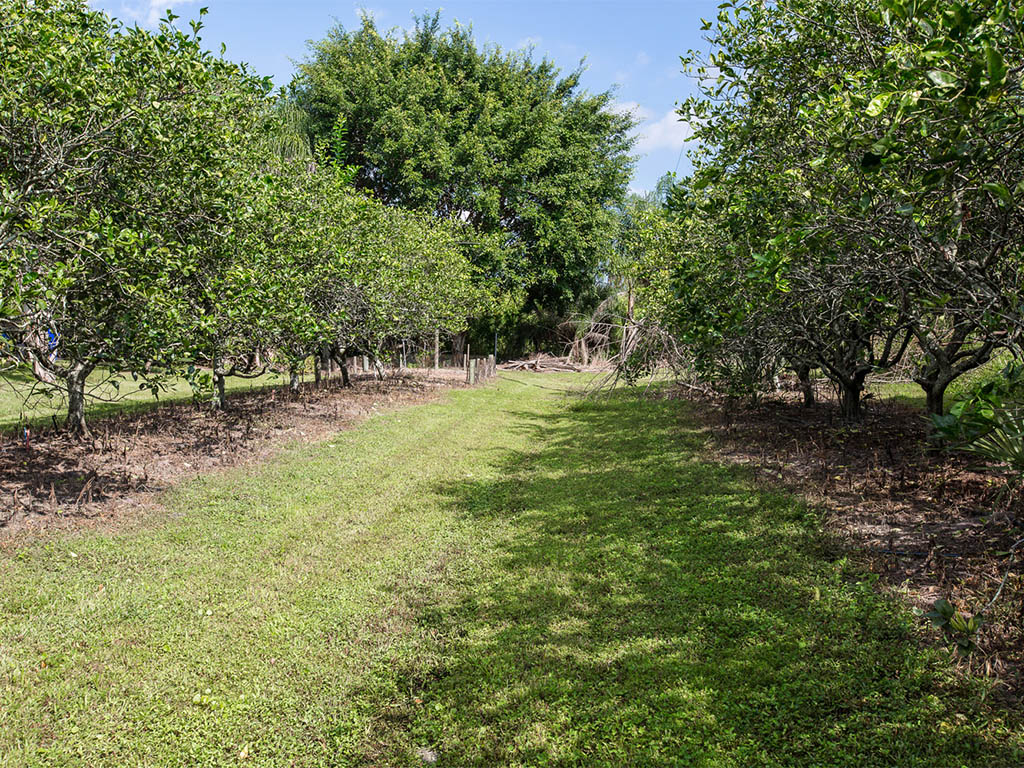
(958, 628)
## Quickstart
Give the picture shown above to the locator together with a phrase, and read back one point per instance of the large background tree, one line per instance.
(499, 140)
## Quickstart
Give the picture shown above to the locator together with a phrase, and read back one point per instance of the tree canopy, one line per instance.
(497, 139)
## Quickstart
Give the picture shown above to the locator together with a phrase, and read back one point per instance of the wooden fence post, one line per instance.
(491, 366)
(470, 372)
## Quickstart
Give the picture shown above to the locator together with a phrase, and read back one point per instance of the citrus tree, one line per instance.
(114, 192)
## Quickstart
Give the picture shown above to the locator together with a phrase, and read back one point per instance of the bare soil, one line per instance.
(58, 482)
(929, 523)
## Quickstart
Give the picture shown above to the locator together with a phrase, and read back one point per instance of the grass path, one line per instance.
(506, 578)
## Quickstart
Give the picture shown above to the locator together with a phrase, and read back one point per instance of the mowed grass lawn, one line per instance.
(510, 577)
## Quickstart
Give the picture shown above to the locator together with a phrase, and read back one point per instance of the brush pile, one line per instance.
(541, 363)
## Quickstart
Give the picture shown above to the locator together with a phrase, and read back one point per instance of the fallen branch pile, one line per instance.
(541, 363)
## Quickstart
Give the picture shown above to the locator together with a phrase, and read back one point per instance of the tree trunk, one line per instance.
(218, 380)
(75, 383)
(338, 356)
(293, 380)
(325, 361)
(803, 375)
(458, 349)
(849, 399)
(437, 349)
(626, 346)
(935, 396)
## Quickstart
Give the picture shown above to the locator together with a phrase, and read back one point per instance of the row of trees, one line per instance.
(161, 211)
(857, 199)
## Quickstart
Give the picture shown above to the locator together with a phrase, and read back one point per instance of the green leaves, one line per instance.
(999, 191)
(185, 221)
(959, 628)
(942, 79)
(997, 68)
(941, 613)
(877, 155)
(933, 177)
(499, 140)
(878, 104)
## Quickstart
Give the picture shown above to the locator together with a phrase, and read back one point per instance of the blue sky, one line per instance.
(631, 46)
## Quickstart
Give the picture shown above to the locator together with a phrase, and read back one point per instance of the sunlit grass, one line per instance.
(904, 392)
(909, 393)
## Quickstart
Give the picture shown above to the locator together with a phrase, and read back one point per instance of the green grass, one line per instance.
(911, 394)
(904, 392)
(23, 400)
(506, 578)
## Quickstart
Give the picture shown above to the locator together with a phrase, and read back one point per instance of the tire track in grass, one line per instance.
(241, 622)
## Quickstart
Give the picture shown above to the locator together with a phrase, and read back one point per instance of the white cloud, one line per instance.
(642, 59)
(668, 132)
(640, 112)
(529, 42)
(148, 13)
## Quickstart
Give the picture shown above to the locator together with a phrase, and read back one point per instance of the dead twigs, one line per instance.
(541, 363)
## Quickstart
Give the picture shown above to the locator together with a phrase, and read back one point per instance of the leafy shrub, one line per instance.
(988, 420)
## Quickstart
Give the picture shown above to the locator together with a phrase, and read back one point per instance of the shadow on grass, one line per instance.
(642, 607)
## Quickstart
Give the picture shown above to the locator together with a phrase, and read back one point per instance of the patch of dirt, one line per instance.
(929, 523)
(57, 482)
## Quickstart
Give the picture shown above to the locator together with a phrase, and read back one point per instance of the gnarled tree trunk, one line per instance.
(935, 398)
(850, 391)
(338, 356)
(75, 385)
(218, 383)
